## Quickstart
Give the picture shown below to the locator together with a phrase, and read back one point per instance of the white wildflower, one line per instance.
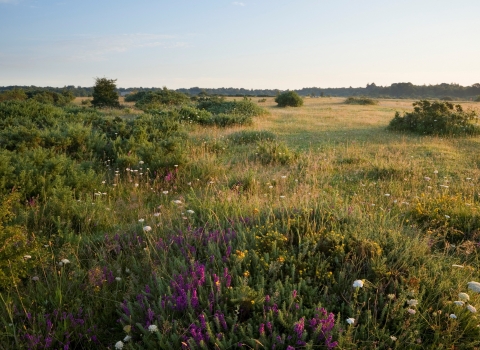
(350, 320)
(118, 279)
(459, 303)
(119, 345)
(152, 328)
(358, 284)
(127, 338)
(26, 257)
(394, 338)
(65, 261)
(190, 211)
(475, 286)
(447, 217)
(453, 316)
(147, 228)
(463, 296)
(35, 278)
(411, 311)
(141, 220)
(177, 201)
(412, 302)
(471, 308)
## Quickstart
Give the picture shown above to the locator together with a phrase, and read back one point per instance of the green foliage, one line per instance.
(289, 99)
(274, 152)
(218, 106)
(17, 248)
(160, 99)
(360, 101)
(15, 94)
(105, 93)
(446, 98)
(135, 96)
(436, 118)
(477, 99)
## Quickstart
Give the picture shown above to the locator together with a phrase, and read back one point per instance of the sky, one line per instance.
(252, 44)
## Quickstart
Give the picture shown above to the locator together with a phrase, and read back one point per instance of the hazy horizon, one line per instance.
(248, 44)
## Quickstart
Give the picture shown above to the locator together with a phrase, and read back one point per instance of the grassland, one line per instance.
(257, 244)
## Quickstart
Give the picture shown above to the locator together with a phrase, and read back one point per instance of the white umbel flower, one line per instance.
(358, 284)
(475, 286)
(463, 296)
(471, 308)
(350, 320)
(119, 345)
(152, 328)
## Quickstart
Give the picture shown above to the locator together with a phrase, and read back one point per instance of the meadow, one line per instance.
(302, 228)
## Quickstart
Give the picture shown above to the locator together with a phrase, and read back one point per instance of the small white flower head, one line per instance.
(176, 166)
(147, 228)
(387, 194)
(411, 311)
(152, 328)
(156, 214)
(270, 186)
(190, 211)
(103, 182)
(475, 286)
(471, 308)
(35, 278)
(453, 316)
(284, 177)
(177, 201)
(350, 320)
(459, 303)
(119, 345)
(165, 192)
(435, 171)
(282, 197)
(394, 338)
(141, 220)
(65, 261)
(358, 284)
(412, 302)
(141, 162)
(26, 257)
(118, 279)
(136, 185)
(463, 296)
(127, 338)
(447, 217)
(427, 178)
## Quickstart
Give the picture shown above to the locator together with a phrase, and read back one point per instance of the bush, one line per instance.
(446, 98)
(360, 101)
(436, 118)
(477, 99)
(289, 98)
(218, 105)
(161, 99)
(105, 93)
(15, 94)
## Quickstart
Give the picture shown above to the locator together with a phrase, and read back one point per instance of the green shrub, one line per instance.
(360, 101)
(105, 93)
(17, 248)
(290, 99)
(436, 118)
(15, 94)
(135, 96)
(251, 136)
(273, 152)
(161, 99)
(477, 99)
(446, 98)
(217, 105)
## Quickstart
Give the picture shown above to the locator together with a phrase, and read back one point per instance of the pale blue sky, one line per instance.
(249, 43)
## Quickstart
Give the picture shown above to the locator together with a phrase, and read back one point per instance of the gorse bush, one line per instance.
(360, 101)
(160, 99)
(219, 106)
(436, 118)
(289, 99)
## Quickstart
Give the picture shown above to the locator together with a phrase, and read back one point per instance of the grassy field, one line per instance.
(313, 228)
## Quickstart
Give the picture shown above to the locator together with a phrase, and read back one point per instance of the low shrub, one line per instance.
(436, 118)
(161, 99)
(446, 98)
(217, 105)
(477, 99)
(273, 152)
(289, 99)
(360, 101)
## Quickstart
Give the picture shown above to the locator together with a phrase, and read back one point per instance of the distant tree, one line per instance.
(289, 98)
(105, 93)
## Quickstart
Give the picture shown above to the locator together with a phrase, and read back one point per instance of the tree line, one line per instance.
(396, 90)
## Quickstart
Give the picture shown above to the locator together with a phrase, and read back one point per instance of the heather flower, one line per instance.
(350, 320)
(471, 308)
(463, 296)
(358, 284)
(119, 345)
(152, 328)
(475, 286)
